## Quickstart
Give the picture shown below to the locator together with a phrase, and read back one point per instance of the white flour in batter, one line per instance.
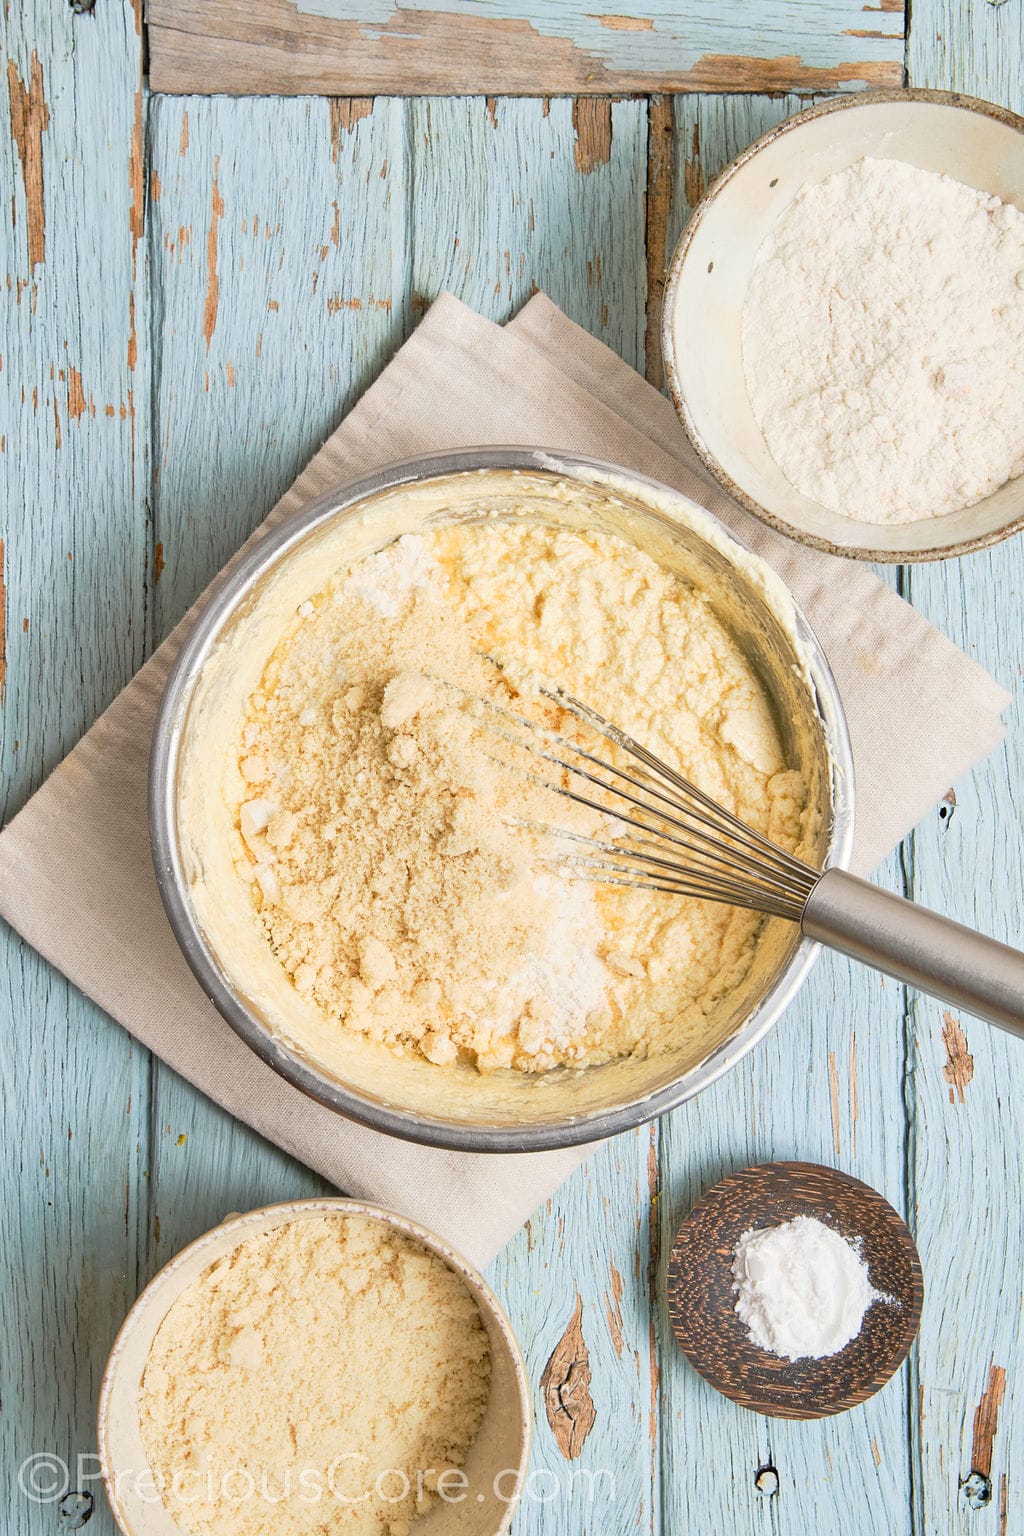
(883, 342)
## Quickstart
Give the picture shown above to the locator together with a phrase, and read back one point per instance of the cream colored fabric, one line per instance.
(75, 873)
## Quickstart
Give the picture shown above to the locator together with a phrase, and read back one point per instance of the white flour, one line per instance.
(883, 342)
(388, 580)
(565, 980)
(802, 1289)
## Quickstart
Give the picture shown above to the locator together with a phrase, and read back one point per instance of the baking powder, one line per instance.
(802, 1289)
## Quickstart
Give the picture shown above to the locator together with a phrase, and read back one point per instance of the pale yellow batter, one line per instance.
(372, 828)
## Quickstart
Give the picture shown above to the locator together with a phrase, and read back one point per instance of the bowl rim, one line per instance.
(352, 1103)
(868, 1197)
(255, 1221)
(892, 96)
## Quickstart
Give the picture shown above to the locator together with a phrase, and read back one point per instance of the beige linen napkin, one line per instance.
(75, 874)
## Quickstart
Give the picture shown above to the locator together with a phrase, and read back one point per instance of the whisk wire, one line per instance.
(650, 789)
(673, 837)
(717, 813)
(612, 872)
(665, 834)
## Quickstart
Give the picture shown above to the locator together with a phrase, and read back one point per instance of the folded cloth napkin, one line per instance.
(75, 873)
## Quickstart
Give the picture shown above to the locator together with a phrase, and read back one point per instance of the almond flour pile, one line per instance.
(384, 869)
(295, 1384)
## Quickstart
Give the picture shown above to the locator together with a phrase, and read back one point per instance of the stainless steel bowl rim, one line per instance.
(217, 606)
(704, 453)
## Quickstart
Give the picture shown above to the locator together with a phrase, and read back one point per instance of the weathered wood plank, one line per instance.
(407, 224)
(554, 201)
(978, 49)
(967, 1080)
(73, 469)
(454, 47)
(575, 1286)
(277, 296)
(826, 1086)
(279, 290)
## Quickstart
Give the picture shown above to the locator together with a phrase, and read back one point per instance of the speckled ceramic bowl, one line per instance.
(498, 1458)
(973, 141)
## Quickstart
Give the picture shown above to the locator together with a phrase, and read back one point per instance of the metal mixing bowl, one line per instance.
(458, 1107)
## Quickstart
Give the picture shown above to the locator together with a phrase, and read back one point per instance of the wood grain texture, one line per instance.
(253, 264)
(30, 118)
(977, 49)
(575, 1283)
(661, 193)
(537, 210)
(826, 1085)
(280, 287)
(74, 499)
(966, 1179)
(274, 295)
(318, 277)
(778, 1103)
(534, 212)
(453, 47)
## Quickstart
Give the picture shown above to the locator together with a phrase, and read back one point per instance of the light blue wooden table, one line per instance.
(196, 288)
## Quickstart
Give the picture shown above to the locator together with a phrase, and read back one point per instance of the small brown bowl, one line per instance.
(702, 1301)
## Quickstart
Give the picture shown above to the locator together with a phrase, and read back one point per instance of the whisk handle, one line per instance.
(915, 945)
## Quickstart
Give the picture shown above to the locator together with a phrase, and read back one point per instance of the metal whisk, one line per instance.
(668, 835)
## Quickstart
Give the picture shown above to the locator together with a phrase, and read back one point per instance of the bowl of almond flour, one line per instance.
(348, 865)
(844, 326)
(319, 1366)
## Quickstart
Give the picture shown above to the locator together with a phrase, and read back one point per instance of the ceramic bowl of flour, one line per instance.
(707, 335)
(282, 1275)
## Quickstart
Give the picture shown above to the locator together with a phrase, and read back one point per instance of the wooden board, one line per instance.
(272, 254)
(453, 47)
(823, 1088)
(965, 1082)
(317, 278)
(74, 495)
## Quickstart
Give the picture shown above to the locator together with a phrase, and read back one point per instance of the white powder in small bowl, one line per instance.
(802, 1289)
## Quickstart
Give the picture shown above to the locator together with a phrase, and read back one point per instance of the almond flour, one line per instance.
(299, 1383)
(384, 871)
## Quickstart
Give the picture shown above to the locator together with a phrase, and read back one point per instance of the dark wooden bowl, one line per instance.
(702, 1302)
